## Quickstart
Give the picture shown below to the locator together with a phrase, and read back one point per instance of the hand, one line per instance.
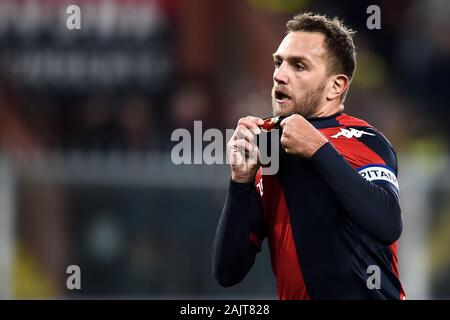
(300, 137)
(243, 151)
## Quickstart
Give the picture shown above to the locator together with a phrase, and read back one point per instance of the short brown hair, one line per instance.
(341, 51)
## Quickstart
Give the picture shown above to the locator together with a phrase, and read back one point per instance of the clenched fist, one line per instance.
(300, 137)
(243, 151)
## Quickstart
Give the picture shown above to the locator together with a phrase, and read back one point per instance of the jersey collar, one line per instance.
(325, 122)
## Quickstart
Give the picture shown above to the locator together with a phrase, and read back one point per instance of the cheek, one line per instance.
(310, 83)
(299, 88)
(302, 82)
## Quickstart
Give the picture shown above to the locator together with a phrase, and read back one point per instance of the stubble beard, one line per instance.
(306, 106)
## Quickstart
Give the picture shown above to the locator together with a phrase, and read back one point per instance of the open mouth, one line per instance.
(280, 96)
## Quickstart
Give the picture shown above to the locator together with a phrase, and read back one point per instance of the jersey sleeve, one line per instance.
(238, 234)
(361, 167)
(371, 155)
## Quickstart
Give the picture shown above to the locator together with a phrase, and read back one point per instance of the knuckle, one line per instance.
(240, 130)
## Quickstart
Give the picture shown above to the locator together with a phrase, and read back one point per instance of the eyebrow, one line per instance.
(293, 58)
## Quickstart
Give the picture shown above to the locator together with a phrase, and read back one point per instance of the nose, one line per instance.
(280, 75)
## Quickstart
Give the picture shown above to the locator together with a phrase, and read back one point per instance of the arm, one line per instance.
(374, 206)
(233, 250)
(242, 215)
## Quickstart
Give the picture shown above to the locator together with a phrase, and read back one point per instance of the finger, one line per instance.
(237, 151)
(285, 136)
(251, 152)
(252, 155)
(242, 145)
(252, 124)
(236, 158)
(284, 141)
(242, 132)
(257, 120)
(247, 150)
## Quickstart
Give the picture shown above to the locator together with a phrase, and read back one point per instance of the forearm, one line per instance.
(373, 208)
(233, 252)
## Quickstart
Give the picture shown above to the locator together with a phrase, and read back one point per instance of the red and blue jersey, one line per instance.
(328, 220)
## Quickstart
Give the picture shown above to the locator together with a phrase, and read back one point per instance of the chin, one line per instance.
(281, 109)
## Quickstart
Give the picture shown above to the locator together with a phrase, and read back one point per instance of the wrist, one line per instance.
(316, 145)
(242, 178)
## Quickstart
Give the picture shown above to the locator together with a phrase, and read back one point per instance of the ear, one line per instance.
(338, 85)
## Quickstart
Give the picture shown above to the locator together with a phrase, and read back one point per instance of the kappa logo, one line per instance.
(350, 133)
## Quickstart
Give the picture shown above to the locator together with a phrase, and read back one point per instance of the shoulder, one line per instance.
(361, 144)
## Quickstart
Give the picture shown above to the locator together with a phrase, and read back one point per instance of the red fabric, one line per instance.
(354, 151)
(394, 266)
(254, 238)
(358, 154)
(285, 262)
(349, 121)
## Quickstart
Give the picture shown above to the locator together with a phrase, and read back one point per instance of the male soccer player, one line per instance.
(332, 212)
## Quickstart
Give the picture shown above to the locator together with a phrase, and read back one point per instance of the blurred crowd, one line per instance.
(216, 58)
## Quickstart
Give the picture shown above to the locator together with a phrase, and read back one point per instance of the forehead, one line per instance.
(301, 43)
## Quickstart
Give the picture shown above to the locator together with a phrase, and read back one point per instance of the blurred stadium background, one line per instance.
(86, 118)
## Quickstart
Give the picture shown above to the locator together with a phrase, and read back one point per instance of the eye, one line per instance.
(277, 63)
(299, 67)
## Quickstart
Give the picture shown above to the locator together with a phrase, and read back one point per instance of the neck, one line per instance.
(328, 110)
